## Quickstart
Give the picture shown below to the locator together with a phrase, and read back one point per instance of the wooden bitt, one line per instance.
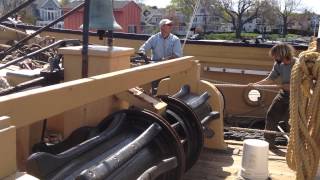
(192, 78)
(28, 107)
(102, 59)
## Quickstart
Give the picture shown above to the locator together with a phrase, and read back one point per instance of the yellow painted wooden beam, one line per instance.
(21, 176)
(232, 61)
(31, 106)
(8, 148)
(138, 98)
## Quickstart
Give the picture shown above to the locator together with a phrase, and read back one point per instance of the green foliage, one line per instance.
(222, 36)
(26, 16)
(232, 36)
(185, 6)
(64, 2)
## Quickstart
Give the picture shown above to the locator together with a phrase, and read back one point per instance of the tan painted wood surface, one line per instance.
(101, 60)
(216, 102)
(8, 147)
(20, 176)
(9, 34)
(136, 97)
(52, 100)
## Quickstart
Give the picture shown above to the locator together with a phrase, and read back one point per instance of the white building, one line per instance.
(47, 11)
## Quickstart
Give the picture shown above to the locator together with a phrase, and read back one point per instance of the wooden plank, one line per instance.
(4, 122)
(20, 176)
(236, 52)
(8, 151)
(138, 98)
(236, 61)
(52, 100)
(218, 164)
(173, 84)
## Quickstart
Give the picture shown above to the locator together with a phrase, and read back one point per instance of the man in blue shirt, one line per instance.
(163, 45)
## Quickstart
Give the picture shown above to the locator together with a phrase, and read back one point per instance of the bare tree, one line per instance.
(26, 13)
(267, 17)
(286, 8)
(188, 7)
(9, 5)
(239, 12)
(185, 6)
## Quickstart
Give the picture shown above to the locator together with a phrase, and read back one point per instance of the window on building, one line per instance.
(132, 29)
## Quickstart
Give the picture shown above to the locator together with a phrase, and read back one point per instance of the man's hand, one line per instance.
(285, 87)
(141, 53)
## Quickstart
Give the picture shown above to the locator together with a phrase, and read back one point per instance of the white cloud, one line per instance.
(312, 5)
(158, 3)
(309, 4)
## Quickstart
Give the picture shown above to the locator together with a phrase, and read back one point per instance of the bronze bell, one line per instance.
(101, 16)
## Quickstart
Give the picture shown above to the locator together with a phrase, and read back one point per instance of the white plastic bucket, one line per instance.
(254, 163)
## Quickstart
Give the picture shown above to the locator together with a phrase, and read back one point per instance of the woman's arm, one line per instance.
(265, 81)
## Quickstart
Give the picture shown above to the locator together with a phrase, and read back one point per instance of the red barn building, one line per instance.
(126, 13)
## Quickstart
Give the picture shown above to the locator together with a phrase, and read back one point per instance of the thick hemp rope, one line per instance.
(303, 148)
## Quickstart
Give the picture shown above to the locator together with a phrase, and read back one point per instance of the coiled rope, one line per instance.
(303, 148)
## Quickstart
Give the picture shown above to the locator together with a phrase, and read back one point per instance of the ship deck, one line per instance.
(225, 164)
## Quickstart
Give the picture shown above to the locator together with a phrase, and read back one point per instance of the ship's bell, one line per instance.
(101, 16)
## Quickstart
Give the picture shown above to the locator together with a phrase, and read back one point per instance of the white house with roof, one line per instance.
(47, 11)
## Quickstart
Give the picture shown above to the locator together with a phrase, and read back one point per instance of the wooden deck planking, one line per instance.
(217, 164)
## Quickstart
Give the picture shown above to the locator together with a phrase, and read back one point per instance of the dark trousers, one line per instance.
(278, 111)
(154, 86)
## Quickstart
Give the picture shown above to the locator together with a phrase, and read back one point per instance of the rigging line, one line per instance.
(191, 22)
(235, 84)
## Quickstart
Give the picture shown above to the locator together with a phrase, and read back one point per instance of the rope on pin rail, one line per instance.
(303, 148)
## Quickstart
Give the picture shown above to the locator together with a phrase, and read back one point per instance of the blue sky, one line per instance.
(310, 4)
